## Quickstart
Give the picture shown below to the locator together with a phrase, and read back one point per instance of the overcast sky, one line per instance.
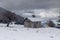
(29, 4)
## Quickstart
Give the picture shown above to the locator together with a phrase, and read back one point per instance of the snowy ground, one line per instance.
(18, 32)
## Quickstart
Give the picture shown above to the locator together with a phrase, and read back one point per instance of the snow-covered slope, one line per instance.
(20, 33)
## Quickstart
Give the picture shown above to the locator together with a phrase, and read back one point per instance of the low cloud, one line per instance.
(20, 6)
(44, 13)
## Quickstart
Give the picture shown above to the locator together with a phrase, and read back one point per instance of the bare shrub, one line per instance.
(50, 23)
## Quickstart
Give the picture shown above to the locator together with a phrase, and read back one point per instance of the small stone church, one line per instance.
(32, 22)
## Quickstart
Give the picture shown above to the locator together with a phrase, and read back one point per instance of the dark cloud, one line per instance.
(29, 4)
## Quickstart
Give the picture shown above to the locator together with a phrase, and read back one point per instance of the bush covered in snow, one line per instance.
(58, 20)
(50, 23)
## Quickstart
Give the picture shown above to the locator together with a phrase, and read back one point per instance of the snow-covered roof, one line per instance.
(34, 19)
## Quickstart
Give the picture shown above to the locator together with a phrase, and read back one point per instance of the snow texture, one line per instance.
(18, 32)
(34, 19)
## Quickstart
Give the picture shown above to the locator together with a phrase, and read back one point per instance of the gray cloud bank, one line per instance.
(29, 4)
(19, 6)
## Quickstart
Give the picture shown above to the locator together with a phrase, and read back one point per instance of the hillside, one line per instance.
(6, 15)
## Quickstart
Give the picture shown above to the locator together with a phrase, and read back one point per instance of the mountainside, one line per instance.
(19, 20)
(6, 16)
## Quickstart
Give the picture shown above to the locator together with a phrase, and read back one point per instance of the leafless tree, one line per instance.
(10, 16)
(50, 23)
